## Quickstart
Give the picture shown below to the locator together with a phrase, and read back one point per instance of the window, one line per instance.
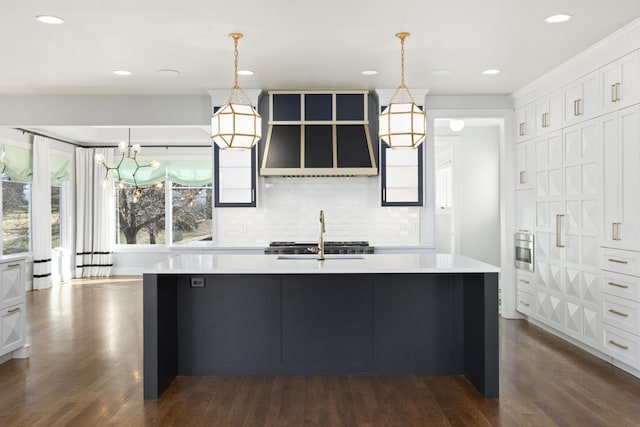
(401, 176)
(56, 232)
(16, 224)
(142, 222)
(191, 213)
(235, 177)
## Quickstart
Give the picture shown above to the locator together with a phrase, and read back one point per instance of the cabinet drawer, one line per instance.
(11, 283)
(525, 303)
(621, 313)
(620, 285)
(12, 328)
(621, 345)
(620, 261)
(525, 281)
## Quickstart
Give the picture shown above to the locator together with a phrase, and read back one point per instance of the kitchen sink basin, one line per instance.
(314, 256)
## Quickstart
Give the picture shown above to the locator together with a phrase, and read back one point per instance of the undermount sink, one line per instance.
(314, 256)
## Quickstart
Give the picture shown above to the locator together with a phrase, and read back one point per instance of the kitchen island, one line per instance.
(369, 314)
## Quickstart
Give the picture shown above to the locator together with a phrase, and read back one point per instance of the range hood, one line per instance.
(320, 133)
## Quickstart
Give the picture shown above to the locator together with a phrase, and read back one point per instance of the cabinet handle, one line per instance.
(618, 261)
(559, 231)
(619, 313)
(617, 91)
(13, 265)
(624, 347)
(575, 107)
(522, 128)
(525, 304)
(618, 285)
(522, 177)
(545, 120)
(613, 93)
(618, 230)
(524, 281)
(13, 310)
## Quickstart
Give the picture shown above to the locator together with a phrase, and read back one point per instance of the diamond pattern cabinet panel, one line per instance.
(556, 310)
(591, 327)
(542, 305)
(574, 317)
(12, 328)
(542, 184)
(572, 282)
(590, 289)
(555, 277)
(11, 283)
(542, 274)
(542, 245)
(542, 214)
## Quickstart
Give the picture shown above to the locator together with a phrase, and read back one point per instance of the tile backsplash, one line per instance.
(288, 210)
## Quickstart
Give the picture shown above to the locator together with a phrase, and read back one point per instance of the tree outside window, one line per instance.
(142, 222)
(192, 208)
(56, 240)
(16, 222)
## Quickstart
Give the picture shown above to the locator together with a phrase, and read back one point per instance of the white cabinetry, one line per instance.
(526, 118)
(582, 99)
(525, 211)
(549, 112)
(621, 135)
(620, 82)
(525, 175)
(568, 201)
(620, 307)
(12, 305)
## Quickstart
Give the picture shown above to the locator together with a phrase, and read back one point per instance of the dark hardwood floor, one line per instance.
(85, 369)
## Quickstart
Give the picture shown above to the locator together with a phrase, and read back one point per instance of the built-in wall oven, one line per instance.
(525, 252)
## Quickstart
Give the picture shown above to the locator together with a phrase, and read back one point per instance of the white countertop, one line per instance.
(309, 264)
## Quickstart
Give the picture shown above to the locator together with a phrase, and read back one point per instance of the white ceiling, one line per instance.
(292, 44)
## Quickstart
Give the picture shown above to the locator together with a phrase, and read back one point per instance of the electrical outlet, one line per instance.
(197, 282)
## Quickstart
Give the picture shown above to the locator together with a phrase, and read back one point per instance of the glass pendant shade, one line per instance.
(402, 125)
(236, 126)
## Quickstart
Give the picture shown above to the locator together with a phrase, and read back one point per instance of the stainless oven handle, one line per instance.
(559, 218)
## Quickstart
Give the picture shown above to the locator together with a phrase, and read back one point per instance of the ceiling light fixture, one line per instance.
(245, 73)
(491, 72)
(129, 152)
(556, 19)
(122, 73)
(370, 72)
(168, 72)
(236, 124)
(49, 19)
(456, 125)
(402, 124)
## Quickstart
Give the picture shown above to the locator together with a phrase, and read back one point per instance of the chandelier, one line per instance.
(129, 153)
(402, 124)
(236, 124)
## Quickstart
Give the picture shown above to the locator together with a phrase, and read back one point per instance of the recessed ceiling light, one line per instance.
(122, 73)
(168, 71)
(491, 72)
(456, 125)
(442, 72)
(555, 19)
(49, 19)
(370, 72)
(245, 73)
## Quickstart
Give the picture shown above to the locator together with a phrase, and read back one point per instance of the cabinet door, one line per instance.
(612, 184)
(549, 113)
(11, 283)
(582, 98)
(401, 175)
(526, 122)
(620, 82)
(525, 211)
(234, 177)
(525, 176)
(629, 134)
(12, 328)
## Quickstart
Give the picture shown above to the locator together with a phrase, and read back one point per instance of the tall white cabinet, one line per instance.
(583, 166)
(12, 306)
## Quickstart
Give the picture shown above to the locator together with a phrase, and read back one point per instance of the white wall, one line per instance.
(478, 173)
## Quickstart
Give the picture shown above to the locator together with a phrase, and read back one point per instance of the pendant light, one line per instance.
(236, 125)
(129, 153)
(402, 124)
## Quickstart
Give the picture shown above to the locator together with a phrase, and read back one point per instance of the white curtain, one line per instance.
(94, 214)
(41, 214)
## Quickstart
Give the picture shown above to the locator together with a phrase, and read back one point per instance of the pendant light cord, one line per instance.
(236, 37)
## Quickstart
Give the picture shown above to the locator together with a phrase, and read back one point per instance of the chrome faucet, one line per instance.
(321, 238)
